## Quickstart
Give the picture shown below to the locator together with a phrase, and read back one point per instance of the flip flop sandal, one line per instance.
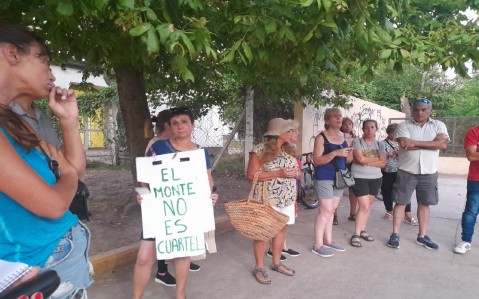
(352, 217)
(365, 236)
(412, 222)
(283, 269)
(265, 279)
(355, 242)
(388, 216)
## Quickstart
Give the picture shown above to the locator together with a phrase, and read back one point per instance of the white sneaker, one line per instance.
(462, 247)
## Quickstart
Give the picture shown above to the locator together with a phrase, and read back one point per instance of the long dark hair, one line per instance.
(22, 39)
(17, 129)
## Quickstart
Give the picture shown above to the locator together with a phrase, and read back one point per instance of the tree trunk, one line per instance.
(134, 109)
(405, 107)
(248, 139)
(230, 138)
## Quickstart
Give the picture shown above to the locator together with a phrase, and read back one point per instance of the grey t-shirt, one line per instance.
(373, 150)
(40, 124)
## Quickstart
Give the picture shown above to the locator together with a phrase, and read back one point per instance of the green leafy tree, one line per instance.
(388, 87)
(463, 99)
(126, 39)
(285, 49)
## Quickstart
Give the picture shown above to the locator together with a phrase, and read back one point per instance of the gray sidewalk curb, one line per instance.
(107, 262)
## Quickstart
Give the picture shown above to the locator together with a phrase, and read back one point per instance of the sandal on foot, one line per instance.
(412, 222)
(263, 278)
(365, 236)
(352, 217)
(335, 220)
(283, 269)
(355, 242)
(388, 216)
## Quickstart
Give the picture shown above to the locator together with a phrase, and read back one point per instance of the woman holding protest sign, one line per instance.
(182, 125)
(275, 159)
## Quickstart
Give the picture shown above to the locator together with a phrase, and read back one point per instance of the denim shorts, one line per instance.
(70, 261)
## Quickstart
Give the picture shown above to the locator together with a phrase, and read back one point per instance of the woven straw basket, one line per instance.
(253, 219)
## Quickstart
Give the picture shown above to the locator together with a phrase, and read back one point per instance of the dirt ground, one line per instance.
(116, 217)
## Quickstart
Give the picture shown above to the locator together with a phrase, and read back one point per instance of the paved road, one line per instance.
(373, 271)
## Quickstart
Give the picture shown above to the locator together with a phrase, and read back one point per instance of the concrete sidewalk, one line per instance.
(373, 271)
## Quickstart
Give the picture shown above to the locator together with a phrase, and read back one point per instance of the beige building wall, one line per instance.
(453, 166)
(312, 122)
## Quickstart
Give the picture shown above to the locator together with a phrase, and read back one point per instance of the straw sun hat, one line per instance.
(276, 126)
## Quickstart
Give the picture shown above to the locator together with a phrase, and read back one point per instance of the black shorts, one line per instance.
(364, 187)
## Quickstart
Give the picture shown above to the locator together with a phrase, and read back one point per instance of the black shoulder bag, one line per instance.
(343, 177)
(79, 204)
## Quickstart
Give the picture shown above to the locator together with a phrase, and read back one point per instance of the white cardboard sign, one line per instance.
(178, 211)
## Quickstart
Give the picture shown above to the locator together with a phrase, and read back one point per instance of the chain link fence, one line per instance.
(212, 131)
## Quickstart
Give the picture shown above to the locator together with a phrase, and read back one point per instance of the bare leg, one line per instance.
(323, 219)
(328, 232)
(407, 216)
(259, 248)
(278, 242)
(398, 216)
(423, 212)
(145, 260)
(182, 268)
(353, 203)
(363, 213)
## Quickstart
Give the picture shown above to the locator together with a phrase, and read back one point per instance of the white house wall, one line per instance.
(67, 76)
(313, 121)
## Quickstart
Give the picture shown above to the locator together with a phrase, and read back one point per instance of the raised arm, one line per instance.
(63, 104)
(318, 150)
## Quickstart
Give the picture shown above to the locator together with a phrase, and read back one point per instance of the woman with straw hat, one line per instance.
(275, 159)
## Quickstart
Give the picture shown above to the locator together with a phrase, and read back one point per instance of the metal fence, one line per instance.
(211, 131)
(456, 128)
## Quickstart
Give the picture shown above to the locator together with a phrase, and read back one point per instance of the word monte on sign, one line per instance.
(176, 209)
